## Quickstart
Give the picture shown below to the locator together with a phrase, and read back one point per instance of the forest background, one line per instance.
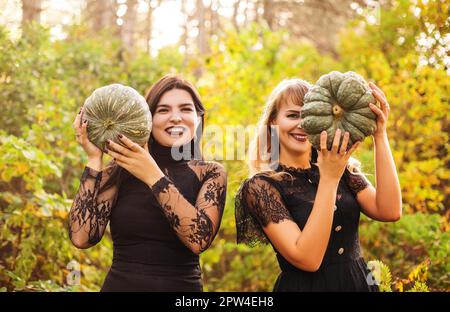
(53, 54)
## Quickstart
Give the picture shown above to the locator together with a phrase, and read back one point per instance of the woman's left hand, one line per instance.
(382, 113)
(135, 159)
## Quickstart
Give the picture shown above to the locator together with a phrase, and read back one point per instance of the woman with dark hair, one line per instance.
(163, 202)
(307, 203)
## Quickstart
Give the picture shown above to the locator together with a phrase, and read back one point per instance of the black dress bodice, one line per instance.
(289, 193)
(153, 228)
(139, 228)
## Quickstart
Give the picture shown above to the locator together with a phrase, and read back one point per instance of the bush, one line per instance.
(416, 238)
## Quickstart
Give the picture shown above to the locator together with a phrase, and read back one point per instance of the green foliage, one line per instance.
(419, 97)
(416, 280)
(381, 274)
(229, 267)
(415, 238)
(243, 68)
(43, 84)
(419, 287)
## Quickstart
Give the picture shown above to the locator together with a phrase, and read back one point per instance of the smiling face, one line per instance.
(175, 118)
(293, 139)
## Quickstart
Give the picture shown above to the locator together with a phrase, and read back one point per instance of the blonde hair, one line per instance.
(260, 149)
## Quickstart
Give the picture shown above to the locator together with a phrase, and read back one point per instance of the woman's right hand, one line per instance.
(82, 138)
(332, 162)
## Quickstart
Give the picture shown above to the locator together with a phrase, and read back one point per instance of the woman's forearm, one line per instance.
(313, 241)
(388, 194)
(88, 216)
(197, 224)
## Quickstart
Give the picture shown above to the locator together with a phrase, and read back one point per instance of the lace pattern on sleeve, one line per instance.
(257, 204)
(197, 225)
(356, 181)
(91, 207)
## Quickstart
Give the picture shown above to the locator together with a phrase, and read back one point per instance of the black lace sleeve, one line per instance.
(91, 207)
(258, 203)
(196, 226)
(356, 181)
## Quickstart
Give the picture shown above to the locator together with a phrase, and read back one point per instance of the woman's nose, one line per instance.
(175, 118)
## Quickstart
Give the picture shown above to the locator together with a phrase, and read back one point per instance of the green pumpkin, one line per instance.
(115, 109)
(338, 101)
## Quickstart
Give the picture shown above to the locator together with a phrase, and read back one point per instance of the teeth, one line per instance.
(175, 131)
(299, 136)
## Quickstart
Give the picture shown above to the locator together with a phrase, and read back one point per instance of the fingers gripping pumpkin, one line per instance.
(338, 100)
(115, 109)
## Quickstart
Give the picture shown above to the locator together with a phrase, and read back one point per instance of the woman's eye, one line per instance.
(162, 110)
(187, 109)
(293, 115)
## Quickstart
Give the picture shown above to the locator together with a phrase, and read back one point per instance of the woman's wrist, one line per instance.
(380, 136)
(329, 182)
(154, 177)
(95, 163)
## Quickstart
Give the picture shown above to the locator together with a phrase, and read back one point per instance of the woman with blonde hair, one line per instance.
(307, 203)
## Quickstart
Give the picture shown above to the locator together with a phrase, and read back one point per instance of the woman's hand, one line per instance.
(82, 138)
(382, 113)
(332, 162)
(135, 159)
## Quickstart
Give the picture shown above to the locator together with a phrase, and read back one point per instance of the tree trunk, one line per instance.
(235, 14)
(149, 28)
(31, 11)
(316, 20)
(102, 15)
(128, 29)
(269, 14)
(216, 26)
(201, 39)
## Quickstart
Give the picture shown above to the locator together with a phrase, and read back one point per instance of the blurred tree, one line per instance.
(128, 28)
(269, 13)
(319, 21)
(31, 11)
(148, 25)
(101, 15)
(202, 34)
(235, 15)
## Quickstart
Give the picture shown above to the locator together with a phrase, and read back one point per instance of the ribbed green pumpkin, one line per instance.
(338, 100)
(115, 109)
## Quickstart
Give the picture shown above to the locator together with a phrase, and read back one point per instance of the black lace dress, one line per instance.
(148, 226)
(266, 198)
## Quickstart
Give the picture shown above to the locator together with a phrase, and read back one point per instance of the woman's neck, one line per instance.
(167, 156)
(301, 161)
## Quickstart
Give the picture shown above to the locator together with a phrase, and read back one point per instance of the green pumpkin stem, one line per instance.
(337, 110)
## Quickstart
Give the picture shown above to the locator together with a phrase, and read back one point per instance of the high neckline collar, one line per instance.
(294, 170)
(163, 154)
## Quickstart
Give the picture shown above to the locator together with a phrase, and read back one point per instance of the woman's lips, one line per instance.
(175, 131)
(299, 137)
